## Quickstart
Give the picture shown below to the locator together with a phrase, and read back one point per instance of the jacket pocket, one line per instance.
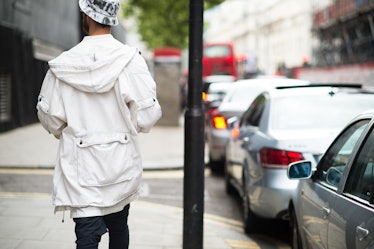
(149, 112)
(43, 111)
(104, 159)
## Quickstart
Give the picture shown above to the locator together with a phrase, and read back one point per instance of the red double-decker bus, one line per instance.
(219, 59)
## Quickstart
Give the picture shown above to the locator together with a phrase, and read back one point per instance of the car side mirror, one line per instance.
(299, 170)
(232, 122)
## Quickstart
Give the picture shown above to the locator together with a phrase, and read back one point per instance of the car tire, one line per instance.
(252, 223)
(295, 235)
(230, 190)
(215, 165)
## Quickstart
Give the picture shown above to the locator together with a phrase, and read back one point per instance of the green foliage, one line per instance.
(162, 23)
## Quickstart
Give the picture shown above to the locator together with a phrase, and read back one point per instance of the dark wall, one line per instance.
(53, 21)
(25, 73)
(56, 24)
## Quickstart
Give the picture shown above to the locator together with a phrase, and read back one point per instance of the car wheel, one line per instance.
(230, 190)
(295, 236)
(215, 165)
(252, 223)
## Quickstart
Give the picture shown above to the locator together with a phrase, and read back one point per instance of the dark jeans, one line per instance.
(90, 229)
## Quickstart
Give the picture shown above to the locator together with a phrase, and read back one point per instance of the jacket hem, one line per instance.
(91, 211)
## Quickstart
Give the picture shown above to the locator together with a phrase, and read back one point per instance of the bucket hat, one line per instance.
(102, 11)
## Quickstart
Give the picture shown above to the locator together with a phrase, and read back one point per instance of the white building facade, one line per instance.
(269, 34)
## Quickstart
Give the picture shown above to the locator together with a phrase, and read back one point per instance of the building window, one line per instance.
(5, 96)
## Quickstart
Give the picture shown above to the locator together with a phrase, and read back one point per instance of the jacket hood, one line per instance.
(96, 71)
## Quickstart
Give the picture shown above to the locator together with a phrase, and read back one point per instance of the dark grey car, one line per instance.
(333, 206)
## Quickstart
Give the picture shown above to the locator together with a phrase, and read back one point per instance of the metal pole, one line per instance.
(194, 135)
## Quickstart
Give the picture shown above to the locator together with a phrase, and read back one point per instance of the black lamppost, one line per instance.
(194, 135)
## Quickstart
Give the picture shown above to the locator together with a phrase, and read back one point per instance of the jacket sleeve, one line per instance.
(51, 113)
(139, 93)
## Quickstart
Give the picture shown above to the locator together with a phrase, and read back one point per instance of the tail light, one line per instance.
(273, 158)
(235, 132)
(205, 60)
(219, 122)
(229, 60)
(204, 96)
(212, 111)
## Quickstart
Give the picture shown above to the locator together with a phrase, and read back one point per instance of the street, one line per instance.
(159, 187)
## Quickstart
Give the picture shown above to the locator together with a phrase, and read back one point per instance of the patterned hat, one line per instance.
(102, 11)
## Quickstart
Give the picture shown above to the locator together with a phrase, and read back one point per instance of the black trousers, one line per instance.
(89, 230)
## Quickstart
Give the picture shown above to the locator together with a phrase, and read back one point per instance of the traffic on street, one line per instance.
(265, 135)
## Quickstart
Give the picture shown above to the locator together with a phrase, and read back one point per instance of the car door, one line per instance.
(250, 127)
(234, 156)
(351, 224)
(320, 193)
(241, 145)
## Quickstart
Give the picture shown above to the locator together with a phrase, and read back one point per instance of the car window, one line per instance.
(317, 111)
(253, 115)
(242, 95)
(361, 178)
(331, 167)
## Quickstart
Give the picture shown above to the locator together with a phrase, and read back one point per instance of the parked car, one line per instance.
(208, 80)
(333, 206)
(213, 98)
(235, 102)
(281, 126)
(214, 94)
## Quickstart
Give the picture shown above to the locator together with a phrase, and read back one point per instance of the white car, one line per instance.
(239, 96)
(281, 126)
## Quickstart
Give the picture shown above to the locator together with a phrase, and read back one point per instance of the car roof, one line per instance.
(218, 78)
(269, 82)
(316, 89)
(368, 113)
(262, 84)
(248, 89)
(216, 86)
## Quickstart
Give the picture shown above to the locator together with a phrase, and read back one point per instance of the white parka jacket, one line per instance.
(96, 97)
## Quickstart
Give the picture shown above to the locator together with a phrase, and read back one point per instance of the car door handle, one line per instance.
(326, 211)
(361, 233)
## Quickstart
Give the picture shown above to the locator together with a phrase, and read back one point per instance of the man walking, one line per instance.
(96, 98)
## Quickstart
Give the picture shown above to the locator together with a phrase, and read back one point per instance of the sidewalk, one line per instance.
(27, 220)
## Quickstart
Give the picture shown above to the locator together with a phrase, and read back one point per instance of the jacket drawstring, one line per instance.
(63, 216)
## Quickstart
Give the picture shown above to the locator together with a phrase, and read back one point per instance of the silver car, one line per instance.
(236, 101)
(281, 126)
(334, 206)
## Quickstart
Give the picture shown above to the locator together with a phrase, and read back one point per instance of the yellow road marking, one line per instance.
(24, 194)
(20, 171)
(243, 244)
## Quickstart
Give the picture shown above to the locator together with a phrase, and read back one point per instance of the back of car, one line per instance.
(213, 98)
(214, 94)
(296, 124)
(236, 101)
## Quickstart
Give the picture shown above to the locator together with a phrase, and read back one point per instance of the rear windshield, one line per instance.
(216, 51)
(305, 112)
(243, 95)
